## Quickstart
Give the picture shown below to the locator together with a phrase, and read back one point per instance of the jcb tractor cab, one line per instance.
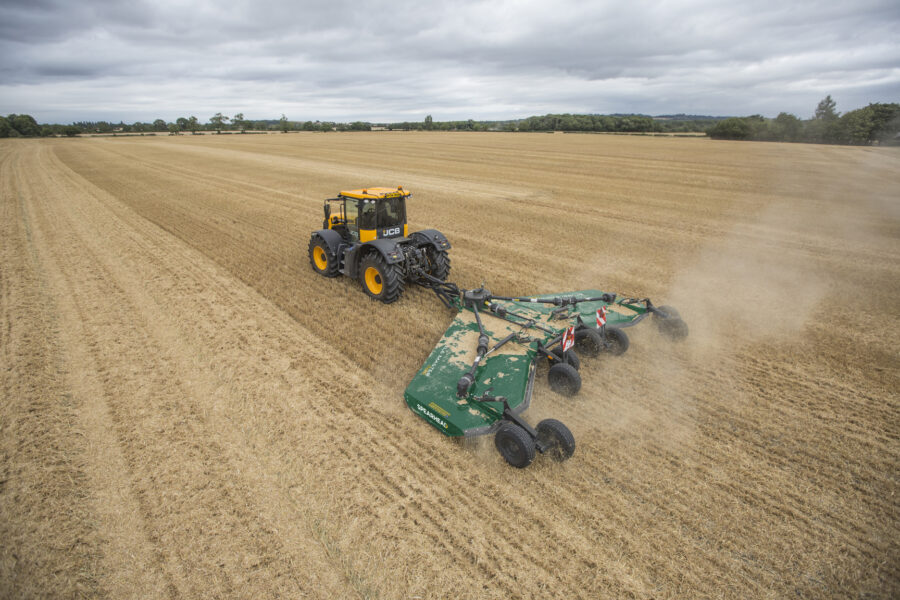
(368, 214)
(366, 236)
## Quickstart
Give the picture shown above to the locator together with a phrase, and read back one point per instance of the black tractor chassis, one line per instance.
(408, 252)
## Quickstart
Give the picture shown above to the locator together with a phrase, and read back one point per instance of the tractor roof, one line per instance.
(373, 193)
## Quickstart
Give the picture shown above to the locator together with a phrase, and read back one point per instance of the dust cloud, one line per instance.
(755, 285)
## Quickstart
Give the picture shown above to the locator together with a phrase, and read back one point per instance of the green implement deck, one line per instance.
(519, 330)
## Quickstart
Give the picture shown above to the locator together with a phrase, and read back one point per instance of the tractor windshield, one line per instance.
(391, 212)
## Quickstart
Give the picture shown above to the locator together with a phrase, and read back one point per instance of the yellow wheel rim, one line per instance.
(320, 258)
(373, 280)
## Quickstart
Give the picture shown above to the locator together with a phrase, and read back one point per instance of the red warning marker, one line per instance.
(568, 339)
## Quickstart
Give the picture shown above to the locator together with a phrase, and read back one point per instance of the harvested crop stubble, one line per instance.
(188, 410)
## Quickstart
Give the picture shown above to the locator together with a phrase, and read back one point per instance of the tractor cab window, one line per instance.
(367, 214)
(391, 212)
(351, 211)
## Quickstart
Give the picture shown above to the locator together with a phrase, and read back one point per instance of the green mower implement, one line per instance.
(479, 378)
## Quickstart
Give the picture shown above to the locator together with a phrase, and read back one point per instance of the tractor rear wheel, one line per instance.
(588, 341)
(514, 445)
(564, 379)
(322, 259)
(557, 439)
(556, 357)
(616, 341)
(380, 280)
(438, 263)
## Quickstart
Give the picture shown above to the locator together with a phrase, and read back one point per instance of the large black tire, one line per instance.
(556, 357)
(514, 445)
(558, 441)
(438, 263)
(673, 328)
(564, 379)
(616, 341)
(588, 341)
(672, 325)
(322, 259)
(670, 312)
(380, 280)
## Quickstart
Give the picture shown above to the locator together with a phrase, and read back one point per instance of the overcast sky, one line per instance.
(395, 60)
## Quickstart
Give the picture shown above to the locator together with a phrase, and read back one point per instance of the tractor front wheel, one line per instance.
(558, 441)
(514, 445)
(322, 259)
(564, 379)
(380, 280)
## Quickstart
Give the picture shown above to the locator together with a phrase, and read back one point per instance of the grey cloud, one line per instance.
(386, 59)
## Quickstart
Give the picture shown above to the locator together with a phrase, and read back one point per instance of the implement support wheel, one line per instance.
(672, 325)
(616, 341)
(556, 357)
(564, 379)
(514, 445)
(558, 441)
(588, 341)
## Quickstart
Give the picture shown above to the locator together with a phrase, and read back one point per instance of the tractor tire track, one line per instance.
(154, 423)
(50, 546)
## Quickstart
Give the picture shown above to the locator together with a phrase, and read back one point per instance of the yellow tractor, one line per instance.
(365, 236)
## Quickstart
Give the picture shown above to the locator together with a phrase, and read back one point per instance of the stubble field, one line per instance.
(189, 411)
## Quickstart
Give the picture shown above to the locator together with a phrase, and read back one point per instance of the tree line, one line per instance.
(430, 124)
(26, 126)
(15, 125)
(570, 123)
(616, 123)
(875, 123)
